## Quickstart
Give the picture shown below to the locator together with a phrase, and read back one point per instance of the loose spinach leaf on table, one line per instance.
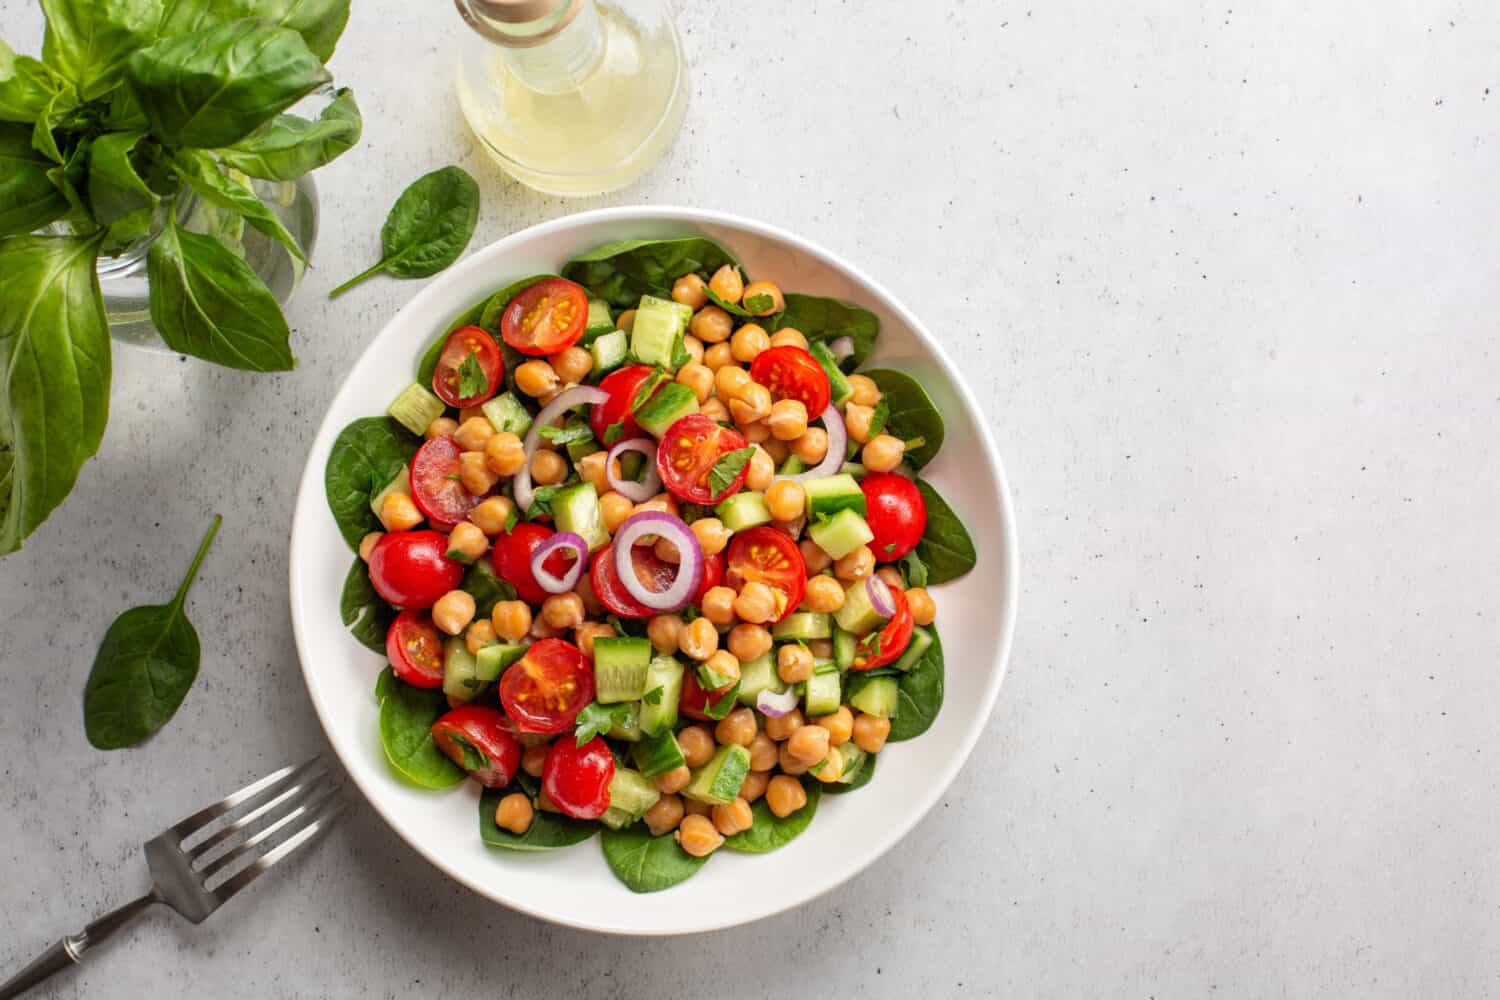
(861, 778)
(26, 86)
(920, 694)
(362, 610)
(826, 319)
(28, 198)
(620, 273)
(428, 228)
(768, 831)
(87, 42)
(365, 457)
(286, 147)
(912, 414)
(646, 863)
(406, 716)
(144, 668)
(208, 182)
(946, 550)
(548, 830)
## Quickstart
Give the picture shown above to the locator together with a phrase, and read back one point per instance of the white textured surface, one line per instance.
(1226, 281)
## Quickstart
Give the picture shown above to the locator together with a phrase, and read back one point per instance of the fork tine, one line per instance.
(202, 817)
(200, 852)
(316, 825)
(308, 802)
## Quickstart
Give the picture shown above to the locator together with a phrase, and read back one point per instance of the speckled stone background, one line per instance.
(1227, 280)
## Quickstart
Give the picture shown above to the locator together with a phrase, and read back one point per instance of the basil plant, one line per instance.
(133, 105)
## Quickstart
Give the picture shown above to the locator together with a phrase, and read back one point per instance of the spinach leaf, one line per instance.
(28, 198)
(912, 414)
(54, 361)
(26, 86)
(214, 86)
(487, 589)
(286, 147)
(913, 568)
(385, 683)
(920, 697)
(620, 273)
(145, 666)
(861, 778)
(88, 41)
(828, 319)
(946, 548)
(728, 468)
(406, 716)
(548, 830)
(363, 611)
(207, 302)
(208, 182)
(118, 196)
(646, 863)
(365, 456)
(428, 228)
(729, 307)
(768, 831)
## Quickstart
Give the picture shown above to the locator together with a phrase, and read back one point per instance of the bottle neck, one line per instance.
(543, 57)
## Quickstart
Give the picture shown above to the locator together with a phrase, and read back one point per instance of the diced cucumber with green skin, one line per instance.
(401, 484)
(855, 760)
(609, 351)
(581, 447)
(827, 495)
(630, 795)
(658, 330)
(803, 625)
(744, 511)
(841, 534)
(844, 644)
(877, 696)
(599, 322)
(659, 715)
(507, 413)
(838, 382)
(576, 508)
(792, 466)
(620, 667)
(759, 675)
(671, 403)
(657, 755)
(630, 729)
(460, 671)
(632, 463)
(492, 660)
(921, 638)
(719, 781)
(858, 615)
(854, 469)
(823, 691)
(416, 408)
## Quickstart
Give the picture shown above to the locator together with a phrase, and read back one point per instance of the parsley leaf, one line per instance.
(878, 420)
(728, 468)
(541, 502)
(654, 696)
(566, 434)
(648, 388)
(614, 432)
(761, 303)
(512, 518)
(475, 759)
(711, 679)
(680, 355)
(596, 719)
(471, 378)
(913, 569)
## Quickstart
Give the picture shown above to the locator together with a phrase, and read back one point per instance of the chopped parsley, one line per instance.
(881, 416)
(471, 378)
(597, 719)
(728, 468)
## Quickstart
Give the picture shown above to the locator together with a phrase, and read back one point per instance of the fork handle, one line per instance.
(70, 950)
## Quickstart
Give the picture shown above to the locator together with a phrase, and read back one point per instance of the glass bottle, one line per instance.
(573, 97)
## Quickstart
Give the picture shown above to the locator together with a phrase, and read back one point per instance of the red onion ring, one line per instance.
(635, 492)
(774, 705)
(561, 540)
(838, 442)
(841, 347)
(689, 559)
(880, 596)
(565, 401)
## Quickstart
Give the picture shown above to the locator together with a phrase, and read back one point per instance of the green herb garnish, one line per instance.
(728, 468)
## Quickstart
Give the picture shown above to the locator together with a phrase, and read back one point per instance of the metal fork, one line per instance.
(208, 857)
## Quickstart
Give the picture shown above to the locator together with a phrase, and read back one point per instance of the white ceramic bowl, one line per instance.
(573, 886)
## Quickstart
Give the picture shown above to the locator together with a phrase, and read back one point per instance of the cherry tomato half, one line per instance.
(768, 556)
(544, 691)
(713, 575)
(896, 513)
(410, 569)
(415, 648)
(655, 574)
(686, 455)
(791, 373)
(695, 700)
(511, 557)
(435, 487)
(894, 638)
(576, 778)
(478, 739)
(622, 386)
(449, 376)
(546, 317)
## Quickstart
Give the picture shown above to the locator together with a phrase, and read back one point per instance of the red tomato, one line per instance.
(410, 569)
(713, 575)
(447, 379)
(791, 373)
(894, 637)
(415, 648)
(768, 556)
(686, 456)
(622, 386)
(546, 317)
(435, 488)
(478, 739)
(655, 574)
(695, 701)
(896, 513)
(511, 557)
(576, 778)
(546, 689)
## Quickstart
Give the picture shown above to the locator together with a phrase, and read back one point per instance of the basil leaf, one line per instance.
(828, 319)
(728, 468)
(54, 399)
(26, 86)
(406, 717)
(427, 229)
(28, 198)
(118, 196)
(646, 863)
(43, 137)
(620, 273)
(768, 831)
(88, 41)
(144, 668)
(365, 457)
(207, 302)
(471, 378)
(214, 86)
(912, 414)
(920, 693)
(548, 830)
(362, 610)
(319, 22)
(286, 147)
(210, 183)
(946, 548)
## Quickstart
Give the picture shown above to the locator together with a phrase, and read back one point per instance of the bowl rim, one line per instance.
(311, 485)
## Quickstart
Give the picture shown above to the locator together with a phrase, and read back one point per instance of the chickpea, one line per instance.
(782, 728)
(468, 541)
(691, 291)
(664, 631)
(367, 544)
(474, 473)
(732, 817)
(674, 780)
(883, 453)
(572, 364)
(840, 725)
(892, 577)
(717, 356)
(504, 454)
(514, 813)
(697, 745)
(751, 404)
(694, 347)
(788, 419)
(398, 513)
(810, 743)
(591, 470)
(711, 325)
(586, 633)
(756, 603)
(469, 413)
(830, 768)
(718, 606)
(856, 565)
(790, 764)
(762, 470)
(473, 433)
(697, 378)
(763, 289)
(863, 390)
(870, 732)
(625, 321)
(536, 378)
(754, 785)
(821, 649)
(823, 595)
(757, 433)
(748, 343)
(563, 610)
(441, 427)
(812, 446)
(479, 635)
(785, 499)
(713, 408)
(698, 639)
(693, 807)
(748, 642)
(775, 447)
(534, 759)
(737, 728)
(664, 816)
(789, 336)
(727, 283)
(541, 630)
(544, 803)
(591, 603)
(724, 663)
(793, 528)
(697, 836)
(512, 620)
(794, 664)
(762, 752)
(663, 502)
(548, 468)
(491, 514)
(453, 611)
(711, 534)
(616, 509)
(923, 608)
(857, 420)
(817, 560)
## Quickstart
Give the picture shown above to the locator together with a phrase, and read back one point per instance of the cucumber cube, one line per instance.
(416, 408)
(841, 534)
